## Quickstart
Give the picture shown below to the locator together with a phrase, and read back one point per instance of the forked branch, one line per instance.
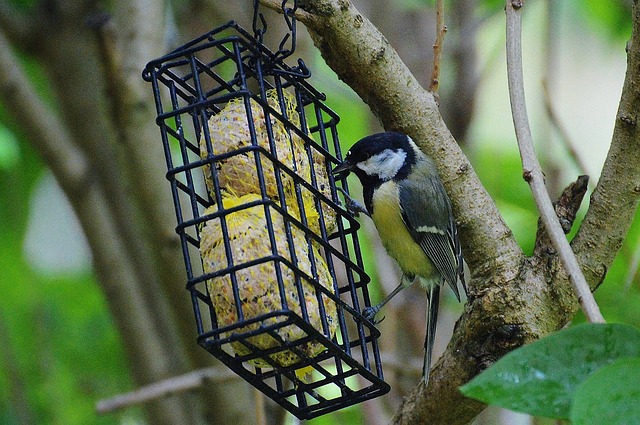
(532, 172)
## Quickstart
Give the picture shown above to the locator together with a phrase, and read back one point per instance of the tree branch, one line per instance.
(362, 57)
(134, 37)
(70, 55)
(441, 30)
(166, 387)
(614, 201)
(383, 81)
(127, 42)
(511, 301)
(41, 125)
(532, 171)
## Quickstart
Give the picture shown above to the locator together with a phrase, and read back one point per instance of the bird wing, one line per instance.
(426, 211)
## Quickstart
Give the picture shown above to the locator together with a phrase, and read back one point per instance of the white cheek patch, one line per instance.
(385, 165)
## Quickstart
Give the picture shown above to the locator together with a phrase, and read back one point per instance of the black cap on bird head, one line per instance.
(381, 156)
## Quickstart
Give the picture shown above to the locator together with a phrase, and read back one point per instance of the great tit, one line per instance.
(405, 198)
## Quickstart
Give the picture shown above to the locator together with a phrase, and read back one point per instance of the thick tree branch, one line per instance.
(129, 41)
(614, 201)
(532, 171)
(362, 57)
(71, 59)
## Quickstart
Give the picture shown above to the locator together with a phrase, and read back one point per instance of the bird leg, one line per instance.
(369, 313)
(353, 206)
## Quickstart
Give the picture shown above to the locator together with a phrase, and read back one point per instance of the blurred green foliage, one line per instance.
(501, 176)
(609, 18)
(61, 351)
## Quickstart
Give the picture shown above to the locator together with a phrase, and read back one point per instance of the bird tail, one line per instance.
(433, 298)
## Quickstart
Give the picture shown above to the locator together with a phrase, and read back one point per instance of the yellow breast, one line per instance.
(394, 234)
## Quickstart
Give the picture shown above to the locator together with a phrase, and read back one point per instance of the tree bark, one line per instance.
(513, 299)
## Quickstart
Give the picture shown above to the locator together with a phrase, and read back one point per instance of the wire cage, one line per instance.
(272, 259)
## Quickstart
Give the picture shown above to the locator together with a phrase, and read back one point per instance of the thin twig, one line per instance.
(532, 171)
(192, 380)
(441, 29)
(261, 413)
(176, 384)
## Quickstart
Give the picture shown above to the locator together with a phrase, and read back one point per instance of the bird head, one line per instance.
(379, 158)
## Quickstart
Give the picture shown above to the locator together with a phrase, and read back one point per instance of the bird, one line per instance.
(404, 196)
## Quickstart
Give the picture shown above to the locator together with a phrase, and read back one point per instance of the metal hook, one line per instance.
(290, 19)
(260, 28)
(289, 13)
(258, 33)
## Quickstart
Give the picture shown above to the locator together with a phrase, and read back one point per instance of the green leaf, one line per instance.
(541, 378)
(610, 396)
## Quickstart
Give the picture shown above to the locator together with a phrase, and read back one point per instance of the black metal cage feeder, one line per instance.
(273, 261)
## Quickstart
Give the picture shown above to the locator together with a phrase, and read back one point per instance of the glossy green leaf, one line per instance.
(541, 378)
(610, 396)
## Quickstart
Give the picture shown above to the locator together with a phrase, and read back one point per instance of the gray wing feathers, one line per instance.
(439, 250)
(427, 215)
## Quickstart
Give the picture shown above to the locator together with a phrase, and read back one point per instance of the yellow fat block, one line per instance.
(230, 131)
(257, 285)
(238, 174)
(324, 187)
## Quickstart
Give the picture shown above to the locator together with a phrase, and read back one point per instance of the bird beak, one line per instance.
(343, 169)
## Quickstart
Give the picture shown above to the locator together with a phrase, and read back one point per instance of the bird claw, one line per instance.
(369, 313)
(353, 207)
